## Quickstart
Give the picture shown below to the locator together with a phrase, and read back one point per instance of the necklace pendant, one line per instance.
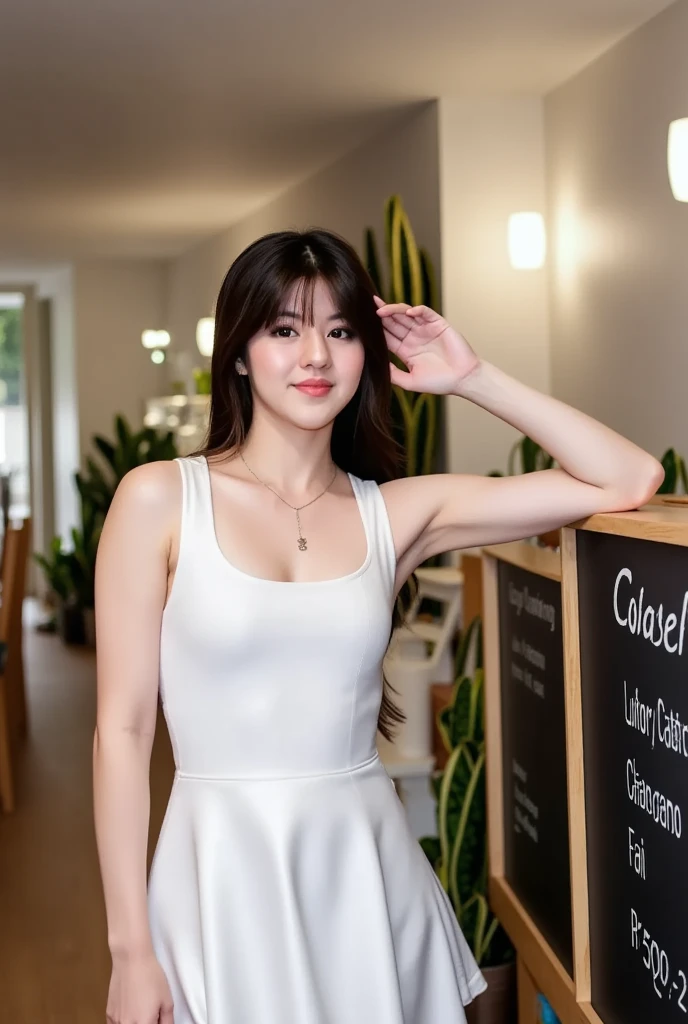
(302, 543)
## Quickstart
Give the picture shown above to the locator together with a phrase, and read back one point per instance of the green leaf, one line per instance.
(429, 281)
(470, 639)
(389, 214)
(468, 847)
(460, 713)
(372, 262)
(459, 852)
(671, 463)
(430, 846)
(411, 265)
(683, 474)
(416, 418)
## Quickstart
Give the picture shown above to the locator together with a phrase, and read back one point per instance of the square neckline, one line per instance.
(289, 583)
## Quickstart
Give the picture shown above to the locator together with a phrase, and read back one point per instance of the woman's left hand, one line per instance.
(437, 356)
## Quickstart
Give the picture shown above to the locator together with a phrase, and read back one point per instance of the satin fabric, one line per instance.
(286, 886)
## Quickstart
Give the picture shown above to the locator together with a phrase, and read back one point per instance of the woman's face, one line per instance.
(289, 353)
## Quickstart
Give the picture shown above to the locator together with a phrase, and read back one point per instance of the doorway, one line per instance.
(26, 416)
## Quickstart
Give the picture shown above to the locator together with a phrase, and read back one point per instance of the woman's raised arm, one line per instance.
(599, 469)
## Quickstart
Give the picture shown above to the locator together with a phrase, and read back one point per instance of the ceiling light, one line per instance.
(155, 339)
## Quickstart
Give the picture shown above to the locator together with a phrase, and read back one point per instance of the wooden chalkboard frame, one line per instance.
(663, 520)
(534, 952)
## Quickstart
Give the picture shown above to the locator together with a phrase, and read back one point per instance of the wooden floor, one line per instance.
(54, 960)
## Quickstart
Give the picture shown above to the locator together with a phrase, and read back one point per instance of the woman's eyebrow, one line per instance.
(297, 316)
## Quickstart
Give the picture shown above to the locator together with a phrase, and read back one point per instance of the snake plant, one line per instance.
(458, 853)
(674, 473)
(416, 416)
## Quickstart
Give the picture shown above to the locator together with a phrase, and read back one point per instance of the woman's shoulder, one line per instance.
(151, 485)
(144, 509)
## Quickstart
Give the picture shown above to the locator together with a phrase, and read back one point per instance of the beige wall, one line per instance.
(619, 281)
(346, 197)
(114, 301)
(491, 165)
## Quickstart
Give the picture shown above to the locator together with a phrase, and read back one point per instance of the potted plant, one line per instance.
(458, 853)
(71, 574)
(71, 577)
(59, 572)
(83, 561)
(675, 475)
(130, 448)
(416, 416)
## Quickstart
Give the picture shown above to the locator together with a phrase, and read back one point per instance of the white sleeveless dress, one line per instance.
(286, 886)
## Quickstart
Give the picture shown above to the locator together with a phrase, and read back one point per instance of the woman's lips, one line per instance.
(314, 389)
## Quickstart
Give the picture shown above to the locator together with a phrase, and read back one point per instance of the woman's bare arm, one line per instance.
(599, 471)
(131, 587)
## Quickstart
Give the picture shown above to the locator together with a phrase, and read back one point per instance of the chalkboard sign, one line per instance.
(633, 612)
(536, 831)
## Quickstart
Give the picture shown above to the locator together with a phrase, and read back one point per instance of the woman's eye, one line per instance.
(336, 332)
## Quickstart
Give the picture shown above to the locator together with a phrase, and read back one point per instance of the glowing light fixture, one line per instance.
(677, 158)
(205, 335)
(155, 339)
(526, 240)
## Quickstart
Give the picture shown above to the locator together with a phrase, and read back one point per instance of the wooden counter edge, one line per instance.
(663, 519)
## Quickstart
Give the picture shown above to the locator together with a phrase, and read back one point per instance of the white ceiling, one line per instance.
(139, 126)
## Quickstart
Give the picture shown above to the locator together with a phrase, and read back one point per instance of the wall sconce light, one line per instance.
(677, 158)
(205, 335)
(526, 241)
(156, 342)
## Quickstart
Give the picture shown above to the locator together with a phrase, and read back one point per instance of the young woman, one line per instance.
(255, 581)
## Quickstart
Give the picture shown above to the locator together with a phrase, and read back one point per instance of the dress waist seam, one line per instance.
(180, 774)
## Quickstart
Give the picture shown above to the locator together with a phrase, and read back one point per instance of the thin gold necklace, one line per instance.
(302, 540)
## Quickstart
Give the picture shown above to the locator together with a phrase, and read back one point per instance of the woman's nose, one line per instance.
(314, 348)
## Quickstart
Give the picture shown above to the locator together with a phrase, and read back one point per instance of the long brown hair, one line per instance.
(250, 298)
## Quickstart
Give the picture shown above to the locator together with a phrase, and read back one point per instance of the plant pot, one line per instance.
(70, 623)
(89, 617)
(498, 1004)
(551, 539)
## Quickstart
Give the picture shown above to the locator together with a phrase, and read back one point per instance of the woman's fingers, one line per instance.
(399, 377)
(400, 316)
(387, 308)
(397, 331)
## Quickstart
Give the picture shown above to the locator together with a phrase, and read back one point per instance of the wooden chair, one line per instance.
(13, 712)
